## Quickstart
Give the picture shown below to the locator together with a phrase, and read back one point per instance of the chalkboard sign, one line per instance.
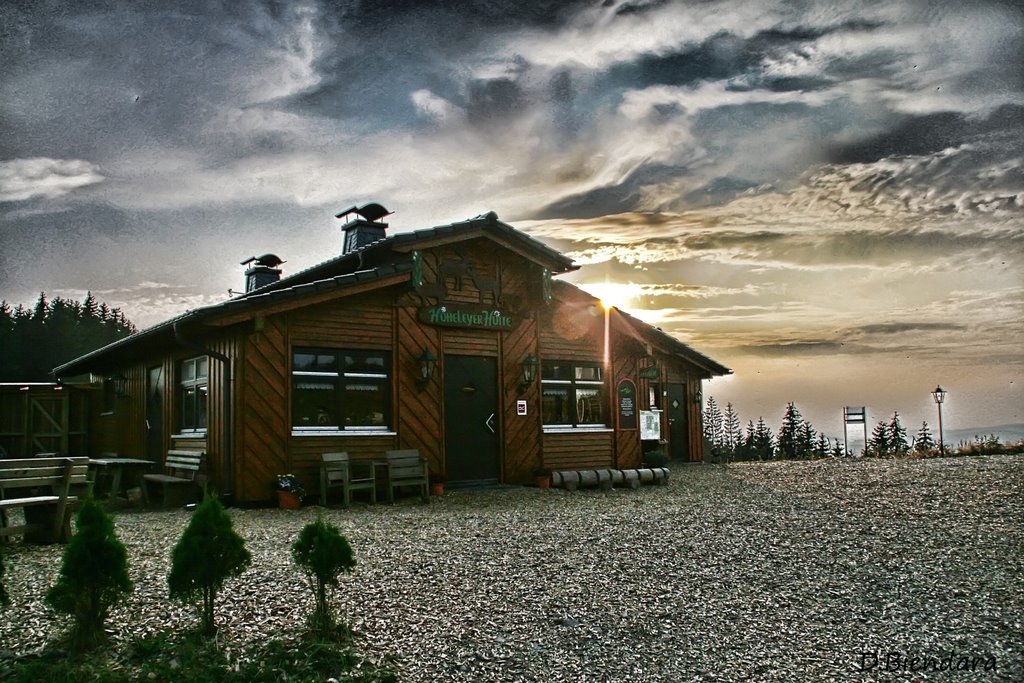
(627, 405)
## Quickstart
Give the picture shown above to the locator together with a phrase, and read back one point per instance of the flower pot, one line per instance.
(543, 481)
(288, 500)
(437, 489)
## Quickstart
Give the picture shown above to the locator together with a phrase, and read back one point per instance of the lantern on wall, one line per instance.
(427, 368)
(529, 365)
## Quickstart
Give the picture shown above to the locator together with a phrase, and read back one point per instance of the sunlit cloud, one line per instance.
(22, 179)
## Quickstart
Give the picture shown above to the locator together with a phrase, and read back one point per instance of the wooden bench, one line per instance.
(337, 471)
(180, 484)
(407, 468)
(39, 486)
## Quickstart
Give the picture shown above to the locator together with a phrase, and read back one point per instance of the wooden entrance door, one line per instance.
(155, 414)
(678, 423)
(471, 439)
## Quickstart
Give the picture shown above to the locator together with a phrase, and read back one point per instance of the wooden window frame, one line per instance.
(190, 407)
(574, 383)
(339, 401)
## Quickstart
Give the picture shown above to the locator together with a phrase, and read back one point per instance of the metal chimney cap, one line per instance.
(372, 212)
(268, 260)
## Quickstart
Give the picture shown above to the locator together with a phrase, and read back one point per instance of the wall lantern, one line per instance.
(530, 364)
(120, 383)
(698, 397)
(428, 367)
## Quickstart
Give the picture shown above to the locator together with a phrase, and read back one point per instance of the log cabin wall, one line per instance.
(573, 330)
(265, 444)
(678, 371)
(626, 355)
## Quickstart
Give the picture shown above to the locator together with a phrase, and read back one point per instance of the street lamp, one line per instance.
(940, 395)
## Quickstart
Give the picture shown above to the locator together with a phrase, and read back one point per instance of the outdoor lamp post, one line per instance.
(940, 395)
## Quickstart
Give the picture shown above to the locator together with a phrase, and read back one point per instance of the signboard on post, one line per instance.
(626, 402)
(650, 425)
(854, 415)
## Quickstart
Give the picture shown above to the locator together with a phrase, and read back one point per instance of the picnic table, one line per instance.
(117, 469)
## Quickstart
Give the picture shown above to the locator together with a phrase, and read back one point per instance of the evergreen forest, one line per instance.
(35, 340)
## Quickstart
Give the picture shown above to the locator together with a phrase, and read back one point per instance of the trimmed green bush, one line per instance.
(208, 553)
(93, 576)
(323, 554)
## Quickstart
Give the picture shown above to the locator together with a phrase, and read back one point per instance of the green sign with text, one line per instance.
(473, 317)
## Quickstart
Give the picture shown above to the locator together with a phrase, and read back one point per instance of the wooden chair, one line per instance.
(407, 468)
(181, 483)
(337, 471)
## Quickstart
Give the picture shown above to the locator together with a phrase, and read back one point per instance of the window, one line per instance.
(573, 394)
(109, 396)
(195, 393)
(334, 389)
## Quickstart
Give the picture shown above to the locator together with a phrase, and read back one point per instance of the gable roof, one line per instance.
(386, 261)
(650, 335)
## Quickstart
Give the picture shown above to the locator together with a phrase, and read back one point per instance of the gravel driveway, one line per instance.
(780, 571)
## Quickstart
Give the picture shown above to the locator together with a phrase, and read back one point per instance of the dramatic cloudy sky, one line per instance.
(826, 197)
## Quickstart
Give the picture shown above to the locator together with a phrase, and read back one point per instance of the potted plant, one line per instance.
(437, 480)
(655, 458)
(289, 492)
(542, 477)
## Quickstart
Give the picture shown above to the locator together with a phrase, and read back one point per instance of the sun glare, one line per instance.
(611, 294)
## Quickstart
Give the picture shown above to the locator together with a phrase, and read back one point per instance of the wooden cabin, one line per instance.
(456, 340)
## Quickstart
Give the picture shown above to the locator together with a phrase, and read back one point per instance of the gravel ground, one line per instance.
(777, 571)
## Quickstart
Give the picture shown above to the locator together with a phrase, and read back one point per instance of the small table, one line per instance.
(116, 467)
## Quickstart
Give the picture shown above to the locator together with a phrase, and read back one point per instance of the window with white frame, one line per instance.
(335, 389)
(573, 394)
(194, 393)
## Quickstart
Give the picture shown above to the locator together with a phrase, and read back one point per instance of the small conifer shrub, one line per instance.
(323, 554)
(93, 576)
(208, 553)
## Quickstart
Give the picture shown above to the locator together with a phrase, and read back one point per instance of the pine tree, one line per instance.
(822, 447)
(789, 432)
(208, 553)
(838, 451)
(33, 342)
(805, 440)
(323, 553)
(732, 434)
(93, 576)
(897, 436)
(747, 450)
(713, 433)
(924, 442)
(764, 441)
(879, 444)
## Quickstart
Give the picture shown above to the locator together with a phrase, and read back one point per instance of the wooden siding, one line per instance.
(627, 444)
(578, 450)
(419, 418)
(522, 433)
(263, 407)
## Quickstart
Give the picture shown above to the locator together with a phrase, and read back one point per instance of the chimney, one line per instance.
(364, 227)
(262, 272)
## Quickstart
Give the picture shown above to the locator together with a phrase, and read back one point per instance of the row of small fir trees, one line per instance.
(93, 575)
(797, 438)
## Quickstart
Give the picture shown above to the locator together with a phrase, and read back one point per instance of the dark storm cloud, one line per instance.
(726, 55)
(919, 135)
(719, 191)
(900, 328)
(618, 198)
